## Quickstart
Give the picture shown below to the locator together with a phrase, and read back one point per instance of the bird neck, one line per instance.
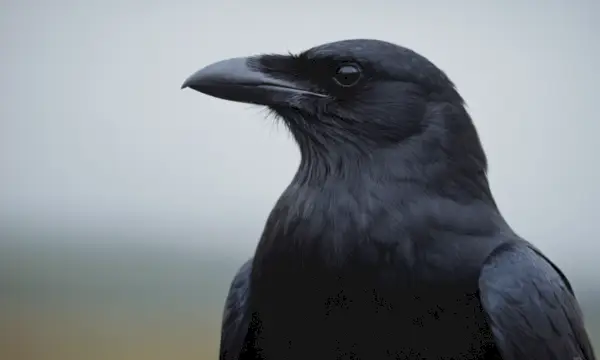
(419, 166)
(439, 153)
(402, 194)
(437, 174)
(334, 203)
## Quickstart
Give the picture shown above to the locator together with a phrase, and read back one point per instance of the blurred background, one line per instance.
(126, 205)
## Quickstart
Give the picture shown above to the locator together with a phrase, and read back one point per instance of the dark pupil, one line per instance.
(347, 75)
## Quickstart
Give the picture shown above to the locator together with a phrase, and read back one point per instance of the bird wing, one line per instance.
(235, 327)
(531, 308)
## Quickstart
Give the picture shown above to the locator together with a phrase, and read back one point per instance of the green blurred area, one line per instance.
(124, 301)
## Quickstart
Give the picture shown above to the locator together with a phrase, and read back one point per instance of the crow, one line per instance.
(387, 243)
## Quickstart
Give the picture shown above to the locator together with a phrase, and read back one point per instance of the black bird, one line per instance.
(388, 243)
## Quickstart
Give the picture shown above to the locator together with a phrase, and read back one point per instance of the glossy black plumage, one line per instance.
(388, 243)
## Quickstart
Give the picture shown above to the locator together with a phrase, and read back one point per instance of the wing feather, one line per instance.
(531, 308)
(235, 328)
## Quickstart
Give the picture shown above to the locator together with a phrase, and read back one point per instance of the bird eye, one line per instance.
(347, 75)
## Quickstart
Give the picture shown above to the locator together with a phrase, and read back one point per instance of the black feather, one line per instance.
(388, 243)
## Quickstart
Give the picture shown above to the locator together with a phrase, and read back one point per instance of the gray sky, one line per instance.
(96, 134)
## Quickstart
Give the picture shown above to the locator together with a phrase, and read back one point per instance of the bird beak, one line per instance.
(234, 80)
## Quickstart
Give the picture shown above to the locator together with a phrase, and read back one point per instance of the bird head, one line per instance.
(361, 90)
(350, 98)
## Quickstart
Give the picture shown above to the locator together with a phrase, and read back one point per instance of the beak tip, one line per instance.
(196, 81)
(185, 84)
